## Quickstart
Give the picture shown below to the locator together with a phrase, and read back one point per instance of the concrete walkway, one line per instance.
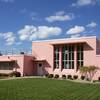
(76, 81)
(12, 78)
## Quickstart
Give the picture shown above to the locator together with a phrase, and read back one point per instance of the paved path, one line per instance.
(77, 81)
(11, 78)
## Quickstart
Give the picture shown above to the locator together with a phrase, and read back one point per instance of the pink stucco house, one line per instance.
(57, 56)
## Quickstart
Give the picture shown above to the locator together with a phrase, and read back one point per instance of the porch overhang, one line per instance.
(40, 60)
(72, 42)
(7, 60)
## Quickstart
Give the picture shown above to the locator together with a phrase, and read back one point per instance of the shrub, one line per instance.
(46, 75)
(88, 79)
(75, 77)
(50, 76)
(69, 76)
(63, 76)
(98, 78)
(15, 73)
(82, 77)
(56, 76)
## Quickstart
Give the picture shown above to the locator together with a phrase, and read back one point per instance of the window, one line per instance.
(56, 57)
(6, 65)
(68, 57)
(79, 55)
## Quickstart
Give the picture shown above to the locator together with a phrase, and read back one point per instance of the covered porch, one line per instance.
(40, 64)
(7, 65)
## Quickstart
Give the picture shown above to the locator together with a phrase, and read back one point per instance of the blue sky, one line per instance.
(23, 21)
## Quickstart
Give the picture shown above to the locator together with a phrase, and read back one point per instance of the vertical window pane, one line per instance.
(72, 64)
(6, 66)
(79, 55)
(56, 57)
(67, 56)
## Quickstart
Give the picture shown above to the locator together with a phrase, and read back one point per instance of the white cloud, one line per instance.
(33, 36)
(84, 2)
(30, 32)
(26, 32)
(60, 16)
(75, 35)
(8, 37)
(92, 24)
(76, 30)
(45, 31)
(7, 1)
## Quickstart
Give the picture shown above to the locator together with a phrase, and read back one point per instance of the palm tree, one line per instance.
(92, 70)
(88, 70)
(84, 71)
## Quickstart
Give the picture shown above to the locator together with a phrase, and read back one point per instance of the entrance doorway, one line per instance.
(40, 68)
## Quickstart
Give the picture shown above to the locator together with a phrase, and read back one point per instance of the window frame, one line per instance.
(69, 60)
(56, 57)
(80, 55)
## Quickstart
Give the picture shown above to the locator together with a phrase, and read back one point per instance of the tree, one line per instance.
(92, 70)
(89, 71)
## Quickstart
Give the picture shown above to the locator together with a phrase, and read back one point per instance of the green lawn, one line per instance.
(47, 89)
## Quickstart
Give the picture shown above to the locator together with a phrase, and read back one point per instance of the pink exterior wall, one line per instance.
(29, 68)
(44, 50)
(90, 51)
(19, 59)
(24, 64)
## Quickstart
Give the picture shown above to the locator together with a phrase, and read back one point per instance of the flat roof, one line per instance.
(63, 39)
(15, 55)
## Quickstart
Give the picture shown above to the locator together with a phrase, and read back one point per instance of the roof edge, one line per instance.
(50, 40)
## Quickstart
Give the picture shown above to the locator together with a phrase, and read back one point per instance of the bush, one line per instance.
(63, 76)
(46, 75)
(56, 76)
(4, 75)
(50, 76)
(69, 76)
(15, 73)
(98, 78)
(82, 77)
(75, 77)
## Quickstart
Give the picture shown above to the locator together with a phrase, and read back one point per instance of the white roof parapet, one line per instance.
(50, 40)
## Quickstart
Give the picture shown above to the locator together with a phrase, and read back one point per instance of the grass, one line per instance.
(47, 89)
